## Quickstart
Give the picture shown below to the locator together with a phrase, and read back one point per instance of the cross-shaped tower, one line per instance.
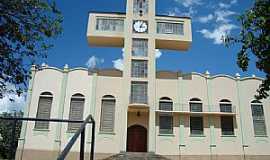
(140, 32)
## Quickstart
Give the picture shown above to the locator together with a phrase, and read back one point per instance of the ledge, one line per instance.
(195, 135)
(71, 131)
(107, 133)
(166, 135)
(228, 135)
(41, 130)
(259, 136)
(197, 113)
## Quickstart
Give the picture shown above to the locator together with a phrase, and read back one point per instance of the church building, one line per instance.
(180, 116)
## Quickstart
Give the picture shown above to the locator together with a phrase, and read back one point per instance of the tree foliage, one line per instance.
(255, 39)
(26, 27)
(6, 135)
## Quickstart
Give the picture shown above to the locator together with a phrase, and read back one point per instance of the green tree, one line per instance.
(26, 27)
(254, 38)
(6, 134)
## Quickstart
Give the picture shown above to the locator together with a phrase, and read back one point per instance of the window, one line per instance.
(165, 119)
(139, 47)
(225, 106)
(139, 68)
(76, 111)
(170, 28)
(139, 92)
(195, 105)
(258, 118)
(107, 114)
(105, 24)
(140, 7)
(227, 125)
(44, 110)
(196, 125)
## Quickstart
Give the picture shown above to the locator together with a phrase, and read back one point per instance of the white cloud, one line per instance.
(119, 63)
(17, 103)
(189, 3)
(93, 62)
(9, 106)
(223, 5)
(173, 12)
(176, 11)
(227, 5)
(219, 14)
(158, 53)
(222, 15)
(233, 1)
(206, 19)
(217, 33)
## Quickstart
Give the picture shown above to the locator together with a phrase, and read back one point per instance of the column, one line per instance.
(21, 140)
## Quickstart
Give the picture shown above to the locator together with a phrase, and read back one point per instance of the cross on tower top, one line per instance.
(140, 32)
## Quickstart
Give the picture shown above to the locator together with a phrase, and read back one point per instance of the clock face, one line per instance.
(140, 26)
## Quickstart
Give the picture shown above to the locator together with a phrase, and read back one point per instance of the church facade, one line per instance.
(139, 109)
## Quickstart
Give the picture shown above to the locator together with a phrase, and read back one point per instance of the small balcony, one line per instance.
(173, 33)
(185, 109)
(138, 100)
(106, 29)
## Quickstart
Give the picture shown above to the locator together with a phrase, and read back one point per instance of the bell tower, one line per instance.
(140, 32)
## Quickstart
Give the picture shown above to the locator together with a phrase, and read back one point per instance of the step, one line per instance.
(136, 156)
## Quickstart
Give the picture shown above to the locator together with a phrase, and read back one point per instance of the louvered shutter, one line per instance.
(76, 113)
(258, 120)
(166, 119)
(44, 112)
(259, 127)
(107, 115)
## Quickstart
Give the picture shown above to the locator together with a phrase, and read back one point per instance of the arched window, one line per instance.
(258, 118)
(196, 122)
(76, 111)
(44, 110)
(107, 114)
(225, 105)
(165, 118)
(195, 105)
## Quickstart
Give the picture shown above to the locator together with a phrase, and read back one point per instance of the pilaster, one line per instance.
(242, 129)
(21, 140)
(57, 141)
(180, 108)
(210, 108)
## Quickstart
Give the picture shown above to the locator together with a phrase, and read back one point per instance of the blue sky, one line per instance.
(210, 20)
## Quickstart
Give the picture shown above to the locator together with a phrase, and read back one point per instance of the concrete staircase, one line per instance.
(136, 156)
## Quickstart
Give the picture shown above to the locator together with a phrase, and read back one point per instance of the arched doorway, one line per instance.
(136, 139)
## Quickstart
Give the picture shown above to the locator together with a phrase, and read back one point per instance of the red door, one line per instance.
(137, 139)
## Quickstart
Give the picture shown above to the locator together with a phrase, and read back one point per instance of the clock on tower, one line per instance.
(140, 26)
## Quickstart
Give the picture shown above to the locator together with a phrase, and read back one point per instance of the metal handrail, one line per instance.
(81, 131)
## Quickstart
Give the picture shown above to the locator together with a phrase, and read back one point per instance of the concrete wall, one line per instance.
(209, 89)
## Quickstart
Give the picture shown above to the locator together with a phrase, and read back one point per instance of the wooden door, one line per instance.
(137, 139)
